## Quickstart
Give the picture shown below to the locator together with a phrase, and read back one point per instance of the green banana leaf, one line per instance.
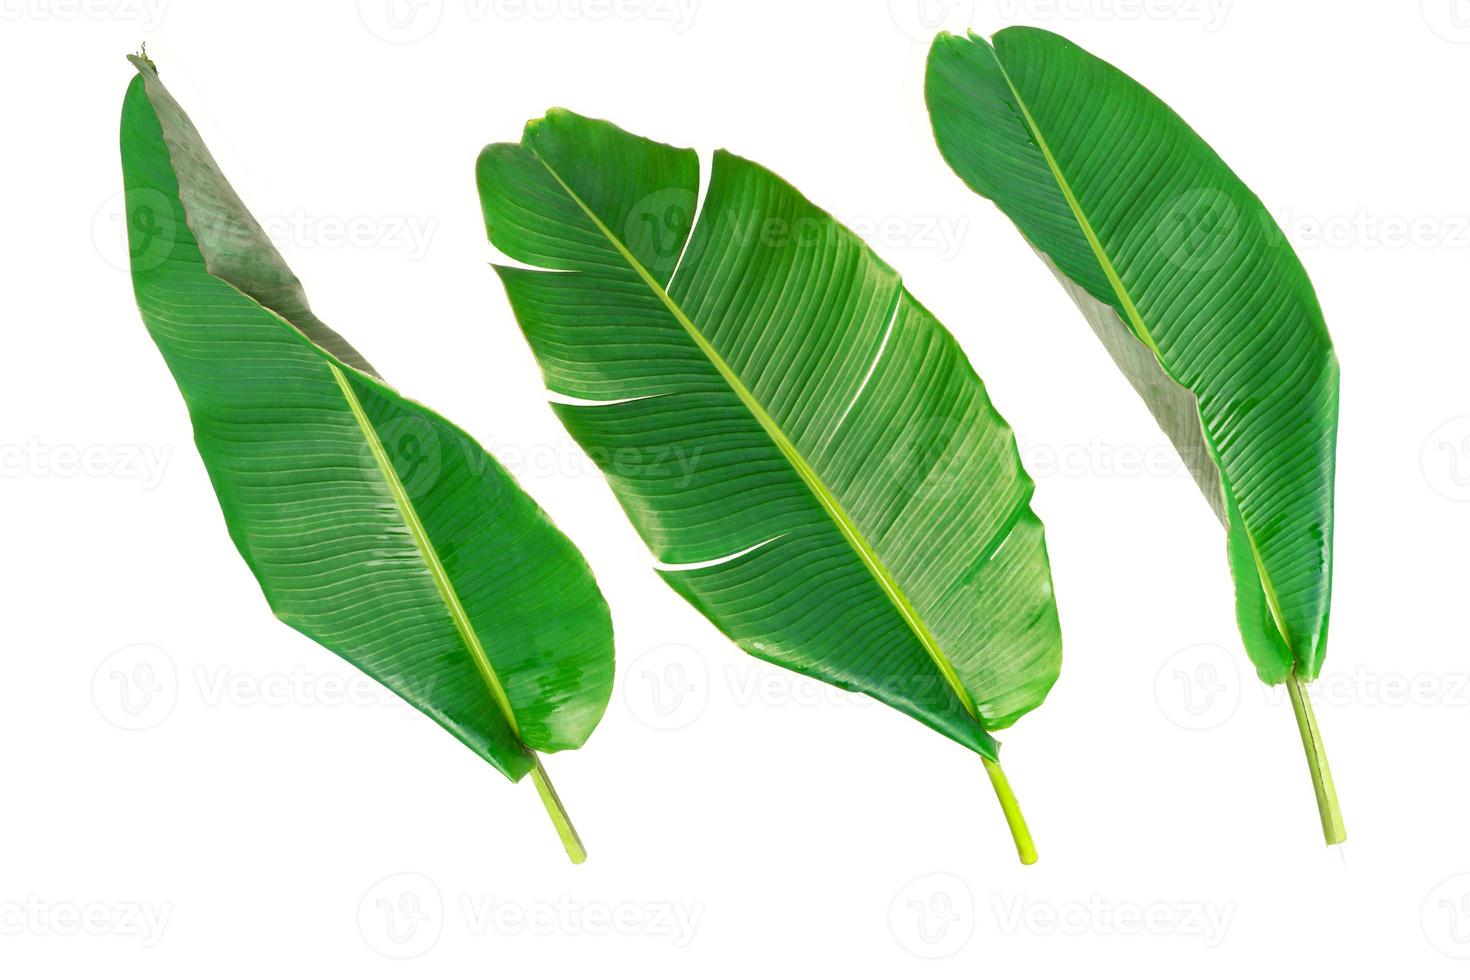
(374, 526)
(855, 509)
(1196, 294)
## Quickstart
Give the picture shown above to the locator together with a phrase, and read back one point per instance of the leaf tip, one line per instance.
(142, 62)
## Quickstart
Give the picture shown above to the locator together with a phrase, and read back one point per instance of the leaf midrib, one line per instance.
(425, 545)
(814, 482)
(1140, 329)
(438, 574)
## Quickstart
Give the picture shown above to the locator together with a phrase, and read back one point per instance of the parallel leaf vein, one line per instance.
(809, 476)
(426, 548)
(1140, 329)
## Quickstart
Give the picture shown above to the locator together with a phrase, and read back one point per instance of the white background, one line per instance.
(212, 794)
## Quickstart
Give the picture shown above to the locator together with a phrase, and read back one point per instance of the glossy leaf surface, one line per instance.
(1190, 285)
(804, 448)
(1195, 293)
(373, 525)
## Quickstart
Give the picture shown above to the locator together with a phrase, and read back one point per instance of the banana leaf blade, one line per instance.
(373, 525)
(855, 508)
(1195, 293)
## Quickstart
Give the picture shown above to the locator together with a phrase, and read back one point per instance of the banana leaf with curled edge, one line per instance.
(1195, 293)
(852, 506)
(373, 525)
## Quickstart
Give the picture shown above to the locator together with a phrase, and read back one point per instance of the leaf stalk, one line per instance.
(558, 813)
(1333, 830)
(1020, 833)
